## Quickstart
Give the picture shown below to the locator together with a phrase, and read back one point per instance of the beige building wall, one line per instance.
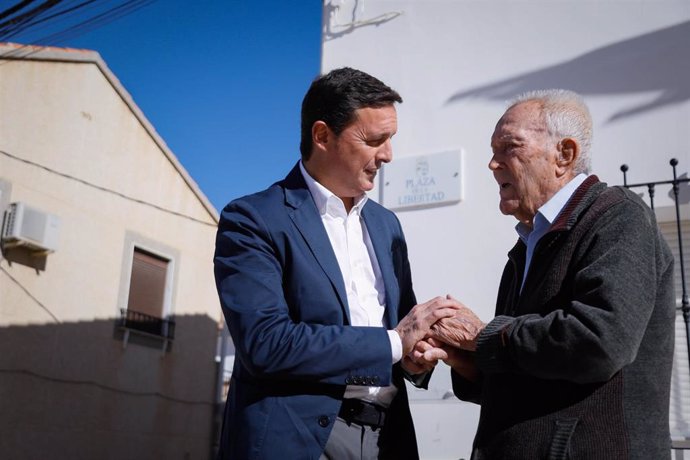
(74, 144)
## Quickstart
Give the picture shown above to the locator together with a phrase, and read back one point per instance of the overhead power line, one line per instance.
(25, 17)
(94, 22)
(107, 190)
(13, 9)
(63, 20)
(37, 21)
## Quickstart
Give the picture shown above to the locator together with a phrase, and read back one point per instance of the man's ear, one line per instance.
(568, 153)
(320, 134)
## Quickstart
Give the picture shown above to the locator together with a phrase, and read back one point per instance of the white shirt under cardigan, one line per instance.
(366, 295)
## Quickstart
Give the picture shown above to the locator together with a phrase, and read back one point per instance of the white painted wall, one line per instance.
(456, 63)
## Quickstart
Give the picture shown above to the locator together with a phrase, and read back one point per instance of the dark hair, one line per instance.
(333, 98)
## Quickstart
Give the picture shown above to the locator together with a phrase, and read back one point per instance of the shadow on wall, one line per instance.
(654, 62)
(72, 391)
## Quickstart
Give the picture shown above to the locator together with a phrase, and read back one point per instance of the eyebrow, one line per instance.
(510, 137)
(507, 138)
(380, 134)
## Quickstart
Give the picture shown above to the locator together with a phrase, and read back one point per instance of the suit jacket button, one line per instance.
(348, 381)
(375, 379)
(324, 421)
(357, 381)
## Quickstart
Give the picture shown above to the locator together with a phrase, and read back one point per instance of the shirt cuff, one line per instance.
(396, 345)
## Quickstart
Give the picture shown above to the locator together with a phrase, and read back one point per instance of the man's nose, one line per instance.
(493, 164)
(385, 153)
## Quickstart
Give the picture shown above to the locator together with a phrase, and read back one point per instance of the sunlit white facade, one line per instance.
(456, 63)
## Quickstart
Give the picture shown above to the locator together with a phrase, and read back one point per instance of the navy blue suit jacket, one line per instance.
(285, 303)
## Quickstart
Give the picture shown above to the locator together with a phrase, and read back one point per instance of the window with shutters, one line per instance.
(147, 283)
(147, 298)
(680, 380)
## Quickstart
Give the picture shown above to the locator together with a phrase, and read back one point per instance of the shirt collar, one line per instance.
(326, 201)
(548, 212)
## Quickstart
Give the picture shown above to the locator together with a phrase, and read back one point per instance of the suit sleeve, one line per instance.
(271, 339)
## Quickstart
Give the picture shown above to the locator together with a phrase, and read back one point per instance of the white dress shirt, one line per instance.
(366, 295)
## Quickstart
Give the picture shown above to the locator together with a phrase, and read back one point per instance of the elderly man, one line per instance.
(577, 362)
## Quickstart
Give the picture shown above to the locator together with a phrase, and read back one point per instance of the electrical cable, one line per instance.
(17, 52)
(95, 22)
(104, 189)
(13, 9)
(87, 382)
(38, 302)
(47, 18)
(70, 32)
(27, 16)
(106, 387)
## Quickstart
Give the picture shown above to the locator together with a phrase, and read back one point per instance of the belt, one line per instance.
(363, 413)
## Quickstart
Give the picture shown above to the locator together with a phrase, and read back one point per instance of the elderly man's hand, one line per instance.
(461, 361)
(461, 330)
(423, 358)
(415, 325)
(427, 353)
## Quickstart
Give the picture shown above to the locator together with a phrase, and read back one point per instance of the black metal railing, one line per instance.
(651, 187)
(685, 304)
(141, 322)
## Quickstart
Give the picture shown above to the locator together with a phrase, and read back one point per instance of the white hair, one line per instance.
(565, 115)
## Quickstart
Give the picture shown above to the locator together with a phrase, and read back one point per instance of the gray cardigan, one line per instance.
(578, 364)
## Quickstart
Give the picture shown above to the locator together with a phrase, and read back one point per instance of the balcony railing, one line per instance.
(142, 323)
(676, 444)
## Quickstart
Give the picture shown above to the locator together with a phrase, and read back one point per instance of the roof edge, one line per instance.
(14, 51)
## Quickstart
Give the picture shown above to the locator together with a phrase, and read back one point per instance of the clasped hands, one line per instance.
(440, 329)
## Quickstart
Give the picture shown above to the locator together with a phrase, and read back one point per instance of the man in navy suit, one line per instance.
(316, 289)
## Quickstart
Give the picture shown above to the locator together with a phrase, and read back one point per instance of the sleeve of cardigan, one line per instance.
(464, 389)
(599, 330)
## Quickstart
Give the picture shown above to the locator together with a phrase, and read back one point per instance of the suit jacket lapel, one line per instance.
(381, 241)
(308, 221)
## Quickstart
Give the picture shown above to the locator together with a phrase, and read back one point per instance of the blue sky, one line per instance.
(221, 81)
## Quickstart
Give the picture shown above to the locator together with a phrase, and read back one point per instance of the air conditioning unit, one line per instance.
(30, 227)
